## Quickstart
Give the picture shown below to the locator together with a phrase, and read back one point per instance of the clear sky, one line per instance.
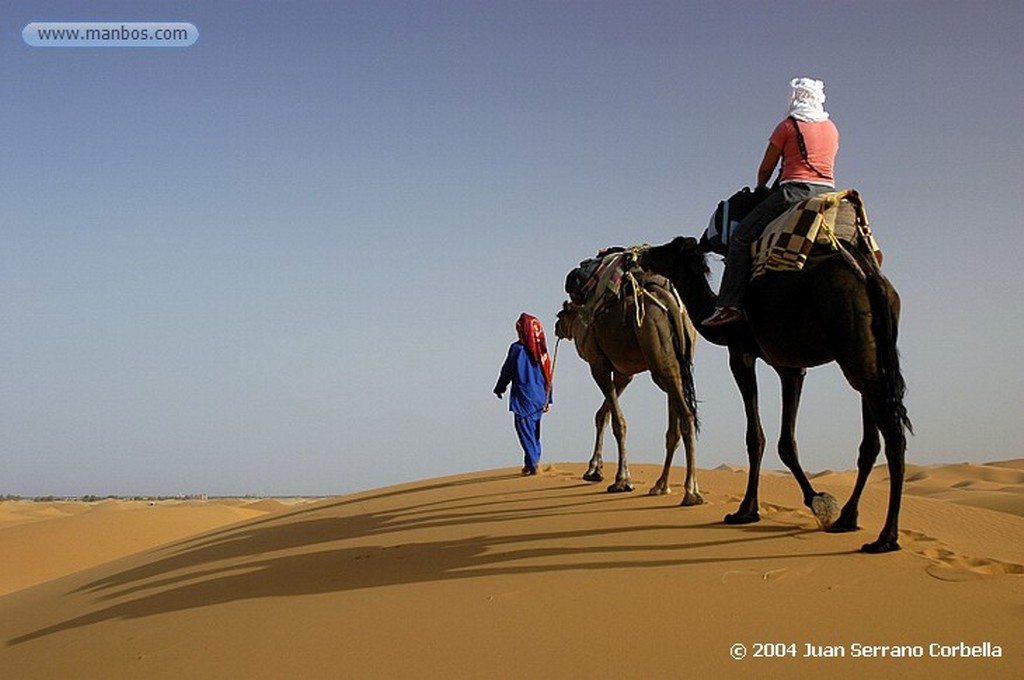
(288, 259)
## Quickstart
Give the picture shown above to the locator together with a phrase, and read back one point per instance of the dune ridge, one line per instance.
(489, 574)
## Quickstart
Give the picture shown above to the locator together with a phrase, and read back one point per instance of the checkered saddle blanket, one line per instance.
(823, 219)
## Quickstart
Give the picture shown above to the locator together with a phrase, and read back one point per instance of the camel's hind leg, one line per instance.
(691, 494)
(872, 367)
(878, 418)
(870, 446)
(595, 469)
(680, 426)
(668, 350)
(895, 451)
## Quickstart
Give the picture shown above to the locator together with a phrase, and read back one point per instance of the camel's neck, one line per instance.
(700, 301)
(577, 329)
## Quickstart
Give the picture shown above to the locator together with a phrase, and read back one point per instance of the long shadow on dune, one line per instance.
(322, 524)
(360, 498)
(322, 550)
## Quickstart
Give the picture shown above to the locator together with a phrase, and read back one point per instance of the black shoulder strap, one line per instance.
(803, 149)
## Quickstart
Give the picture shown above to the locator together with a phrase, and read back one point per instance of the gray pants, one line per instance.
(738, 261)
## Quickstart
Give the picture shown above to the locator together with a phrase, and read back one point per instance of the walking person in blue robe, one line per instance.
(527, 369)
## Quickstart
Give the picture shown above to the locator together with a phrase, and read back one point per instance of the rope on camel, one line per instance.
(639, 293)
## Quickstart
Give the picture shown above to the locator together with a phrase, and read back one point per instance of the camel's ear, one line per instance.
(683, 243)
(709, 244)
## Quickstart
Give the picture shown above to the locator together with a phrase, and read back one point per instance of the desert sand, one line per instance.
(491, 575)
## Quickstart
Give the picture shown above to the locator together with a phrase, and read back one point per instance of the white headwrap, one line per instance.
(806, 102)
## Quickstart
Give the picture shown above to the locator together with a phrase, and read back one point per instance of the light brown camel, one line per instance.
(617, 347)
(829, 311)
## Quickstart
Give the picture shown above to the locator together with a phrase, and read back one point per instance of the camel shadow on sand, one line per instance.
(398, 537)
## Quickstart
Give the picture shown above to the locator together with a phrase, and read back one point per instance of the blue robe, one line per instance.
(527, 399)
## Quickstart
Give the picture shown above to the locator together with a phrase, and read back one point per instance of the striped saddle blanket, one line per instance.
(600, 279)
(823, 219)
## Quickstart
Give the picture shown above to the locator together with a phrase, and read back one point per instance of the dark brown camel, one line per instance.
(617, 347)
(828, 311)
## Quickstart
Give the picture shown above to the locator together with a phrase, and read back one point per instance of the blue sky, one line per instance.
(288, 259)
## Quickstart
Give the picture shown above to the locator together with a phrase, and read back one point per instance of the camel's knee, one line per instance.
(868, 452)
(788, 454)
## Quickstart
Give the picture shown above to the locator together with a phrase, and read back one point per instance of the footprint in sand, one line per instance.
(754, 575)
(948, 565)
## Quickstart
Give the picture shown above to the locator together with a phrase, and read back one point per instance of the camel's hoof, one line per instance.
(595, 476)
(826, 509)
(742, 518)
(692, 499)
(846, 523)
(658, 491)
(880, 546)
(620, 487)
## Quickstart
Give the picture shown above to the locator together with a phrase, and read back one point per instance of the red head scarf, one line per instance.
(531, 335)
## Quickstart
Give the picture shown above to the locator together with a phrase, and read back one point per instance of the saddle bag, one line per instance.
(580, 282)
(726, 219)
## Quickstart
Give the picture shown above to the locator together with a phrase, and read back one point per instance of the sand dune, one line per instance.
(489, 575)
(40, 541)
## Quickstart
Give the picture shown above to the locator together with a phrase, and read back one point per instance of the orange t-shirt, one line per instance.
(822, 142)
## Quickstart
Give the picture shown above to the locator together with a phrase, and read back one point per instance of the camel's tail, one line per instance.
(885, 325)
(685, 355)
(684, 343)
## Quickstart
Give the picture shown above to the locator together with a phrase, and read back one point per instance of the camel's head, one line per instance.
(681, 259)
(565, 319)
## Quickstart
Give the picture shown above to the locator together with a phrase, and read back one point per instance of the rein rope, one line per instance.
(554, 362)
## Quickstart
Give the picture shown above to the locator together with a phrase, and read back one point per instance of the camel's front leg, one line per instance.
(603, 376)
(742, 365)
(824, 506)
(595, 469)
(623, 480)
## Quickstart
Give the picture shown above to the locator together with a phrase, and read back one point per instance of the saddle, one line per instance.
(824, 220)
(599, 280)
(582, 282)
